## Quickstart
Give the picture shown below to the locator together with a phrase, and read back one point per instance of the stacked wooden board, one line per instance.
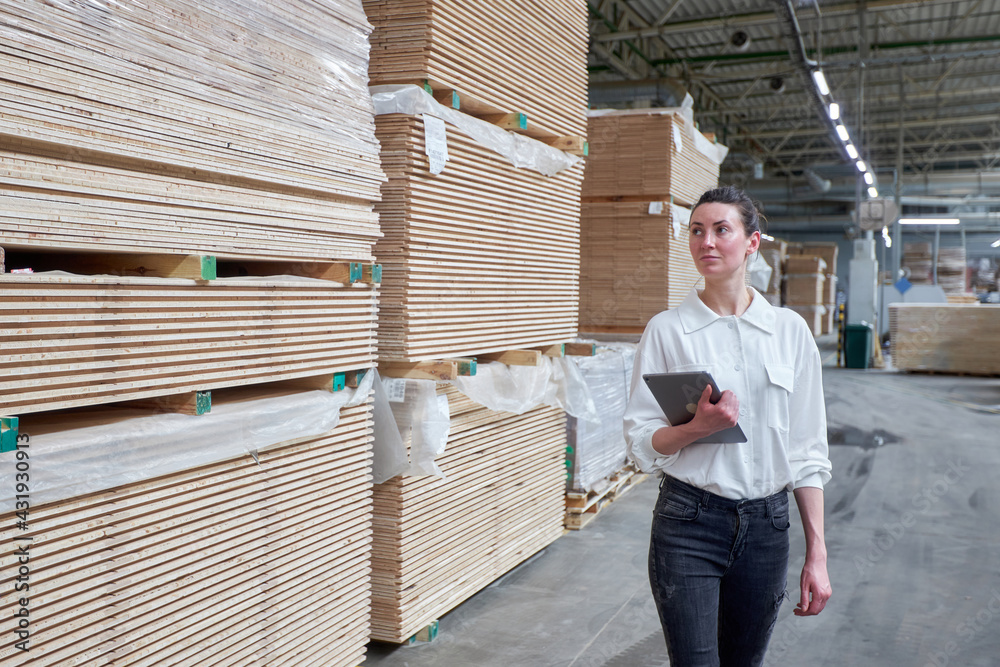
(537, 69)
(482, 257)
(188, 120)
(647, 156)
(918, 259)
(436, 543)
(143, 136)
(635, 262)
(71, 340)
(947, 338)
(254, 560)
(805, 289)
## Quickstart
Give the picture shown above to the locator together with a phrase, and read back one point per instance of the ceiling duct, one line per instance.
(817, 183)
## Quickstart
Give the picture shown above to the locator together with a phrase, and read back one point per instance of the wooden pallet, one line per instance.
(582, 508)
(194, 567)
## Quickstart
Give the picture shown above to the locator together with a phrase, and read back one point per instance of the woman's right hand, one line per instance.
(714, 417)
(708, 418)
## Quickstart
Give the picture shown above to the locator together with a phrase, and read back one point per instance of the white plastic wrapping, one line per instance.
(522, 152)
(555, 382)
(423, 419)
(74, 462)
(759, 273)
(713, 151)
(389, 456)
(599, 447)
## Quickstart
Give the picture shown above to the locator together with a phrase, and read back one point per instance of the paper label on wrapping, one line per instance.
(678, 143)
(655, 207)
(395, 389)
(435, 143)
(680, 217)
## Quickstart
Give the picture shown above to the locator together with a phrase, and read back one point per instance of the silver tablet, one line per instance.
(678, 394)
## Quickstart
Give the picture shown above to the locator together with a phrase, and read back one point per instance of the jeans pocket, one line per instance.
(780, 518)
(679, 509)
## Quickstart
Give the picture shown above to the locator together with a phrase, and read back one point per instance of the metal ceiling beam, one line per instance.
(931, 122)
(748, 19)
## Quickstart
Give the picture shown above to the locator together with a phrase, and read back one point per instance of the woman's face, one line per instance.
(718, 241)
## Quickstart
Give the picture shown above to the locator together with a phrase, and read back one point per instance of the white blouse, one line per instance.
(768, 358)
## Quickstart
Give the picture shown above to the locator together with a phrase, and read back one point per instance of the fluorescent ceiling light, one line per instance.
(834, 111)
(766, 237)
(860, 164)
(995, 244)
(821, 82)
(869, 179)
(886, 237)
(928, 221)
(842, 133)
(852, 152)
(872, 192)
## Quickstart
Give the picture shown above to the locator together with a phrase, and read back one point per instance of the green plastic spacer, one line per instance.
(8, 434)
(569, 449)
(356, 272)
(569, 464)
(427, 87)
(202, 402)
(209, 267)
(467, 367)
(428, 634)
(522, 121)
(586, 148)
(339, 381)
(376, 273)
(456, 101)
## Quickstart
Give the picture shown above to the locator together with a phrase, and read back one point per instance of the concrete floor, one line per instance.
(913, 533)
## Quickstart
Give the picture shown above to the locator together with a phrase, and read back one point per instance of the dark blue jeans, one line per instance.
(718, 569)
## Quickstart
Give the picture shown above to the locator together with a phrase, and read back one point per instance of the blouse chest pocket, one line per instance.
(780, 384)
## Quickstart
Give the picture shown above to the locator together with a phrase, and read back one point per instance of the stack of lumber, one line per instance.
(646, 156)
(190, 127)
(504, 57)
(73, 340)
(951, 270)
(252, 560)
(482, 257)
(919, 259)
(634, 264)
(774, 253)
(436, 543)
(805, 289)
(828, 253)
(947, 338)
(140, 135)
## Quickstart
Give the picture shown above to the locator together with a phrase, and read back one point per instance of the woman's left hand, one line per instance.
(815, 585)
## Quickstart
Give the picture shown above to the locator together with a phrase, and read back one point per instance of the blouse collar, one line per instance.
(696, 315)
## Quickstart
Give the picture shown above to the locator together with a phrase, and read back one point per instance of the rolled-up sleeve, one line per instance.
(643, 416)
(809, 453)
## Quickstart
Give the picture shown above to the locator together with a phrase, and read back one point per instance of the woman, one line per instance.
(718, 555)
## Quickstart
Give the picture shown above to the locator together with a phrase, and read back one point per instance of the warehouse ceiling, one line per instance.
(918, 85)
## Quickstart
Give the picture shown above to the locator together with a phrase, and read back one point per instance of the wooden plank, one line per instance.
(514, 357)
